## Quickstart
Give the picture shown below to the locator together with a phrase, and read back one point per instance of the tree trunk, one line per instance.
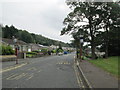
(77, 52)
(106, 43)
(92, 40)
(93, 48)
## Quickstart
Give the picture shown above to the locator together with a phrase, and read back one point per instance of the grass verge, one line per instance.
(110, 65)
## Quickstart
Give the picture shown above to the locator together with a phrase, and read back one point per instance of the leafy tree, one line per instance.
(10, 31)
(109, 13)
(100, 15)
(26, 37)
(81, 11)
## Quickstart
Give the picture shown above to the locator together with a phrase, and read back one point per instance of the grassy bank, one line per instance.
(110, 65)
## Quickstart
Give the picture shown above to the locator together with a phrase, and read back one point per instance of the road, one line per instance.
(43, 72)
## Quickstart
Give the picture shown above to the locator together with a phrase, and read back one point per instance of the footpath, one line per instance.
(97, 77)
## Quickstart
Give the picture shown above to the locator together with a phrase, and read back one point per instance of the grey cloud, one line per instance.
(41, 18)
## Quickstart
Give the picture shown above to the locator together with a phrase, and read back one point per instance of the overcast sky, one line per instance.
(43, 17)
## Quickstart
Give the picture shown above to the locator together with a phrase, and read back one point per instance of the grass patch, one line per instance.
(110, 65)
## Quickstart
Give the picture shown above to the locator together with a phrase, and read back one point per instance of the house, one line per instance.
(35, 47)
(54, 47)
(22, 46)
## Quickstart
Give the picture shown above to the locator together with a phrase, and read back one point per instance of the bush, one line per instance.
(6, 50)
(44, 51)
(54, 51)
(34, 53)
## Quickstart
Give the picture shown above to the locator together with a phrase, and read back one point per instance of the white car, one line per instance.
(60, 53)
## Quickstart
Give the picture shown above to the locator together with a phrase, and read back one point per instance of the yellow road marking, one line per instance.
(77, 77)
(79, 80)
(12, 68)
(33, 68)
(63, 63)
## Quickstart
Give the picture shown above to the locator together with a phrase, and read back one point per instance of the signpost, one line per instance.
(81, 42)
(16, 49)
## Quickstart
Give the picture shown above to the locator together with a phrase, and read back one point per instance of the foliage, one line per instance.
(9, 32)
(6, 50)
(44, 51)
(54, 51)
(99, 15)
(33, 53)
(36, 51)
(59, 49)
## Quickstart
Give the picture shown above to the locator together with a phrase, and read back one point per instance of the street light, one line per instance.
(16, 49)
(81, 42)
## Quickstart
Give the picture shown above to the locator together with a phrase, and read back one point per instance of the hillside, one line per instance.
(24, 35)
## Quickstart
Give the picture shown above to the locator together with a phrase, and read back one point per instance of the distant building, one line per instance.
(35, 47)
(22, 46)
(54, 47)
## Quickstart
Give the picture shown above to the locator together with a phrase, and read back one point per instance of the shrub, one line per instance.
(6, 50)
(44, 51)
(54, 51)
(34, 53)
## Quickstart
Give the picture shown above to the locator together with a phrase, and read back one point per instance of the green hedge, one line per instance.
(44, 51)
(6, 50)
(34, 53)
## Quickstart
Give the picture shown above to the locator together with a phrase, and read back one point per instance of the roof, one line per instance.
(10, 41)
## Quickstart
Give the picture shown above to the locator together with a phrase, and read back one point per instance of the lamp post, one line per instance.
(81, 42)
(16, 49)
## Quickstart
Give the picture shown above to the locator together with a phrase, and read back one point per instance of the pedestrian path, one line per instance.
(97, 77)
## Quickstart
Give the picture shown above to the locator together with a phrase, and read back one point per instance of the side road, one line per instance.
(97, 77)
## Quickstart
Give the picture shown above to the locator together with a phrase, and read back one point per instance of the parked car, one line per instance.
(65, 52)
(60, 53)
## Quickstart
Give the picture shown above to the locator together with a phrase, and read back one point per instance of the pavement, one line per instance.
(43, 72)
(97, 77)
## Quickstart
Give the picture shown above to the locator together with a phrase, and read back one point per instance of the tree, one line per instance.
(109, 13)
(26, 37)
(81, 11)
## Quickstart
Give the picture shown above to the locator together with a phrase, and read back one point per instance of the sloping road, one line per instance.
(48, 72)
